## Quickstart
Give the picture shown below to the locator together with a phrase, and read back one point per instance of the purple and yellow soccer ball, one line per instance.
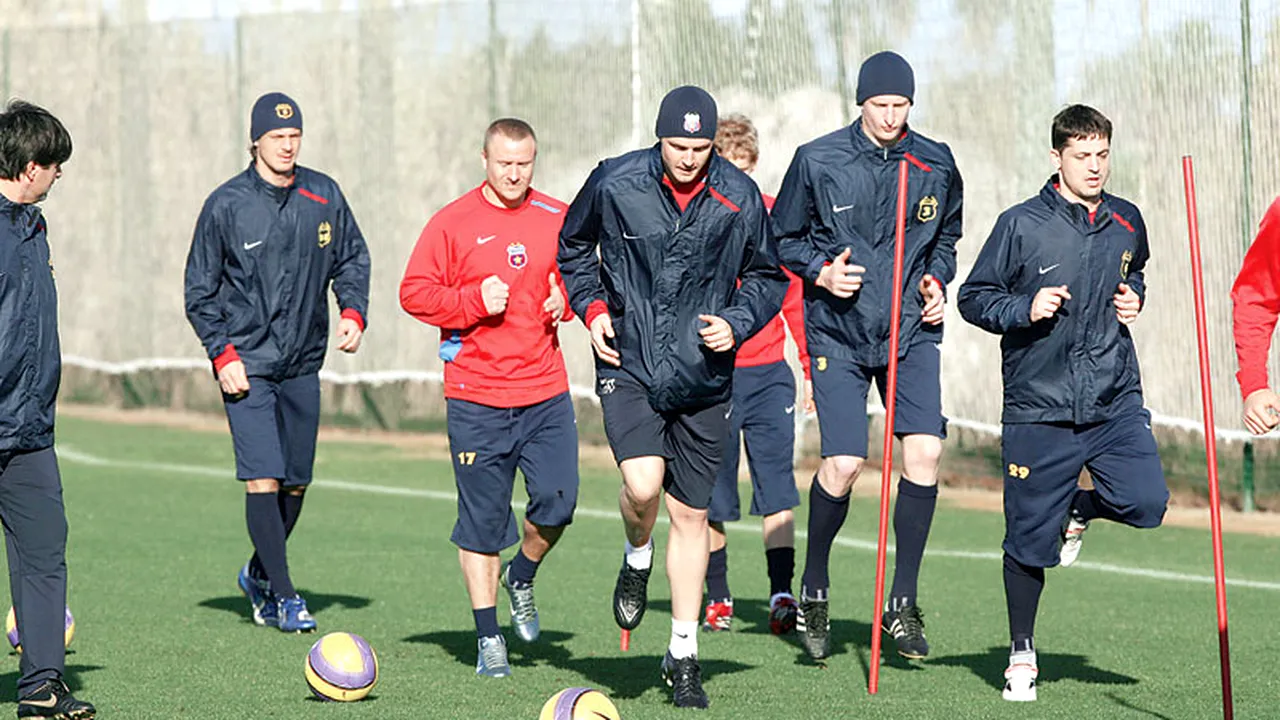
(15, 640)
(341, 667)
(579, 703)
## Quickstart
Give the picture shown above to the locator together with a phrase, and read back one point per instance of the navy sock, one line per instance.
(718, 575)
(266, 530)
(826, 516)
(486, 621)
(912, 517)
(1022, 587)
(782, 567)
(290, 508)
(1087, 506)
(523, 569)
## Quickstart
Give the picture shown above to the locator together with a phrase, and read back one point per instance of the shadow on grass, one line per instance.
(316, 602)
(71, 674)
(625, 676)
(989, 666)
(1130, 706)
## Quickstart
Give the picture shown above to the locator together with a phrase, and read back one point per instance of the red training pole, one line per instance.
(625, 641)
(1210, 435)
(890, 406)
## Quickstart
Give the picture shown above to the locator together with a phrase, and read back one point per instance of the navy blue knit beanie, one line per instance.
(886, 73)
(273, 111)
(688, 112)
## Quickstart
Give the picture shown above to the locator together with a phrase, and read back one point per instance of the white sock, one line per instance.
(640, 558)
(774, 598)
(684, 639)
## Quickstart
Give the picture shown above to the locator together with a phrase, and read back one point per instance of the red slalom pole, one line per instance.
(890, 406)
(624, 642)
(1210, 435)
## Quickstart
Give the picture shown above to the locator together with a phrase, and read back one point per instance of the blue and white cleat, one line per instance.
(492, 657)
(259, 594)
(524, 614)
(294, 617)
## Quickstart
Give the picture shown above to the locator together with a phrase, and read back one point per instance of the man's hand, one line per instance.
(1127, 304)
(809, 407)
(935, 300)
(841, 278)
(494, 292)
(1047, 301)
(601, 333)
(349, 335)
(717, 334)
(554, 304)
(233, 379)
(1262, 411)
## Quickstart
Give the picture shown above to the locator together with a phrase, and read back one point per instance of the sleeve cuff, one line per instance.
(227, 357)
(353, 314)
(1251, 382)
(594, 310)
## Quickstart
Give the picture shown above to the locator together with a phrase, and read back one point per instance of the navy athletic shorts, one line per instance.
(764, 415)
(692, 441)
(840, 394)
(488, 445)
(273, 428)
(1042, 464)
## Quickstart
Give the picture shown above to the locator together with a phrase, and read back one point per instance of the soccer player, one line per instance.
(835, 223)
(33, 147)
(1255, 301)
(1060, 279)
(677, 228)
(484, 272)
(764, 398)
(267, 246)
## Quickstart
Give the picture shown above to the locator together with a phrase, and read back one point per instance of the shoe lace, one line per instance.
(687, 682)
(815, 617)
(493, 653)
(912, 619)
(522, 606)
(633, 584)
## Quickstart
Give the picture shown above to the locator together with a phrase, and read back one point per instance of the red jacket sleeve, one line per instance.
(793, 315)
(430, 290)
(1255, 299)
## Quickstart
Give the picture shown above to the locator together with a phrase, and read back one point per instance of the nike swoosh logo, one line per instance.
(682, 637)
(840, 208)
(791, 409)
(250, 246)
(483, 240)
(1044, 270)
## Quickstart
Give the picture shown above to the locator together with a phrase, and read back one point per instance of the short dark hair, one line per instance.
(29, 133)
(1079, 122)
(509, 127)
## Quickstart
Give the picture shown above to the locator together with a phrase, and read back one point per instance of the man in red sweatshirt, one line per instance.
(1256, 304)
(764, 394)
(484, 272)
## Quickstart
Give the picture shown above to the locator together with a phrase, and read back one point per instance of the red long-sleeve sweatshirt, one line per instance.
(511, 359)
(1256, 301)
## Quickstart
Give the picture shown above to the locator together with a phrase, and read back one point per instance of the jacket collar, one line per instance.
(276, 193)
(1076, 213)
(715, 171)
(863, 144)
(24, 216)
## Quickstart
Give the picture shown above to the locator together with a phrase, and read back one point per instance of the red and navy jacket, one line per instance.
(261, 260)
(659, 268)
(841, 191)
(507, 360)
(1255, 299)
(30, 359)
(1078, 366)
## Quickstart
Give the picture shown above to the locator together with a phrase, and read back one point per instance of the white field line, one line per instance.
(72, 455)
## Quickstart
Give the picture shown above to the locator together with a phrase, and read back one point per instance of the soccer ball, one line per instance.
(579, 704)
(11, 629)
(341, 666)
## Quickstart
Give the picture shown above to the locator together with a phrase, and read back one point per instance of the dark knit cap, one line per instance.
(273, 111)
(689, 112)
(886, 73)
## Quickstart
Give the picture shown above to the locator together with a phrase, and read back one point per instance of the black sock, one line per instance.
(1022, 587)
(782, 567)
(912, 517)
(826, 516)
(1088, 506)
(523, 569)
(486, 621)
(718, 575)
(290, 508)
(266, 530)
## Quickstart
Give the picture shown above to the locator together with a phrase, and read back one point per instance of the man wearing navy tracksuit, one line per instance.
(1060, 279)
(267, 246)
(33, 147)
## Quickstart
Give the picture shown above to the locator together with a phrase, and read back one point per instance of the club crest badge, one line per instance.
(928, 209)
(1125, 259)
(324, 234)
(692, 122)
(516, 256)
(284, 111)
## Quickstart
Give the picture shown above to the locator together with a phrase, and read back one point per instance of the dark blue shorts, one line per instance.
(1042, 464)
(764, 414)
(273, 429)
(488, 445)
(692, 441)
(840, 394)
